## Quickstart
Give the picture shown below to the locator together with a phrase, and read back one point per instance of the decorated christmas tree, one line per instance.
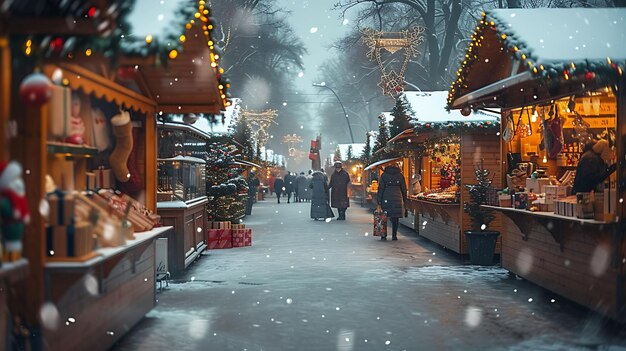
(367, 150)
(381, 138)
(402, 115)
(242, 134)
(337, 154)
(225, 185)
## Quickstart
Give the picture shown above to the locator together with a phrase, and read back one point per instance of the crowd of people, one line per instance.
(316, 188)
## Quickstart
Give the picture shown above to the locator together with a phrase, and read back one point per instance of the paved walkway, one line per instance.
(307, 285)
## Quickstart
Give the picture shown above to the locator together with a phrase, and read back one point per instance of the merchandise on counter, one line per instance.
(90, 181)
(118, 204)
(122, 130)
(73, 240)
(556, 192)
(604, 205)
(584, 205)
(566, 206)
(520, 200)
(448, 195)
(536, 185)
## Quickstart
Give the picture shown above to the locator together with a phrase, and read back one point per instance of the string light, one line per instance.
(149, 38)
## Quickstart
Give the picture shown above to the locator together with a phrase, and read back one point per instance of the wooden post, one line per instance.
(5, 95)
(621, 194)
(151, 157)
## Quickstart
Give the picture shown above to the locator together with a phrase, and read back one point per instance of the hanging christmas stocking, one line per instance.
(134, 183)
(123, 132)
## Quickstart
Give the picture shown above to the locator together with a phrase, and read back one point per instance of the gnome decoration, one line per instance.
(14, 214)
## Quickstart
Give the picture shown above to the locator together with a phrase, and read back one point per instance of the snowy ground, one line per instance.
(307, 285)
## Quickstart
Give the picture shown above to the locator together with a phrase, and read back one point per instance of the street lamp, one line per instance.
(323, 85)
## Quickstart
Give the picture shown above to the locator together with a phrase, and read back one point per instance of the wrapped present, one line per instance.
(74, 240)
(242, 237)
(221, 225)
(520, 201)
(219, 239)
(61, 208)
(105, 179)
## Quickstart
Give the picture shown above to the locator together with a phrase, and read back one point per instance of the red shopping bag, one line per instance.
(380, 222)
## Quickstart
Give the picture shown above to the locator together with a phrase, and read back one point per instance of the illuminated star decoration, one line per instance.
(259, 123)
(392, 82)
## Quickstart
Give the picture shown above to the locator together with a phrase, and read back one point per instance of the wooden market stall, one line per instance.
(442, 150)
(560, 92)
(86, 131)
(192, 85)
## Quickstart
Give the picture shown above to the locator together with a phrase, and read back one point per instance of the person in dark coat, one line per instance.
(339, 182)
(253, 185)
(319, 197)
(593, 167)
(300, 187)
(279, 185)
(392, 197)
(307, 187)
(290, 182)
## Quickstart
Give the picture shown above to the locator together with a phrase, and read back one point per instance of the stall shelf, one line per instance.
(583, 260)
(440, 138)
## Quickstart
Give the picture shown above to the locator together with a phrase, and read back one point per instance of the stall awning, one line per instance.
(404, 135)
(382, 163)
(511, 58)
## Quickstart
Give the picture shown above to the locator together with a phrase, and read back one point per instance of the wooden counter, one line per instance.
(575, 258)
(187, 240)
(100, 299)
(439, 222)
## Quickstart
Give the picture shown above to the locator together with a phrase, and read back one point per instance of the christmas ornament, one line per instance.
(36, 89)
(190, 118)
(466, 111)
(392, 82)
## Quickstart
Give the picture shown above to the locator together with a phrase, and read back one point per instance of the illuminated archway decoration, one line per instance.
(259, 123)
(392, 82)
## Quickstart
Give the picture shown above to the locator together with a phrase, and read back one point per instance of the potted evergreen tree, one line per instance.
(481, 242)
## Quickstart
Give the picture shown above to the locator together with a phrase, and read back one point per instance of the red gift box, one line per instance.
(242, 237)
(219, 239)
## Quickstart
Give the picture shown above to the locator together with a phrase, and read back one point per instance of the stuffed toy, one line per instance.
(14, 213)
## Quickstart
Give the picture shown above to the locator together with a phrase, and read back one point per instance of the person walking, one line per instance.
(319, 197)
(290, 181)
(391, 197)
(279, 185)
(339, 182)
(300, 187)
(253, 186)
(270, 182)
(307, 187)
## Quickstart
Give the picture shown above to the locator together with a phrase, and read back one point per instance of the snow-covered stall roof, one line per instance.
(430, 107)
(512, 48)
(357, 150)
(566, 34)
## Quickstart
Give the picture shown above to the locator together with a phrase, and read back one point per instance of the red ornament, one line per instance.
(466, 111)
(398, 88)
(56, 44)
(92, 11)
(427, 125)
(590, 75)
(126, 73)
(35, 89)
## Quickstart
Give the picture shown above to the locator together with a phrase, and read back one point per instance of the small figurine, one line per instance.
(14, 213)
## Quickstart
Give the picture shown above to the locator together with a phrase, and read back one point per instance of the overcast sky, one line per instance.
(318, 27)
